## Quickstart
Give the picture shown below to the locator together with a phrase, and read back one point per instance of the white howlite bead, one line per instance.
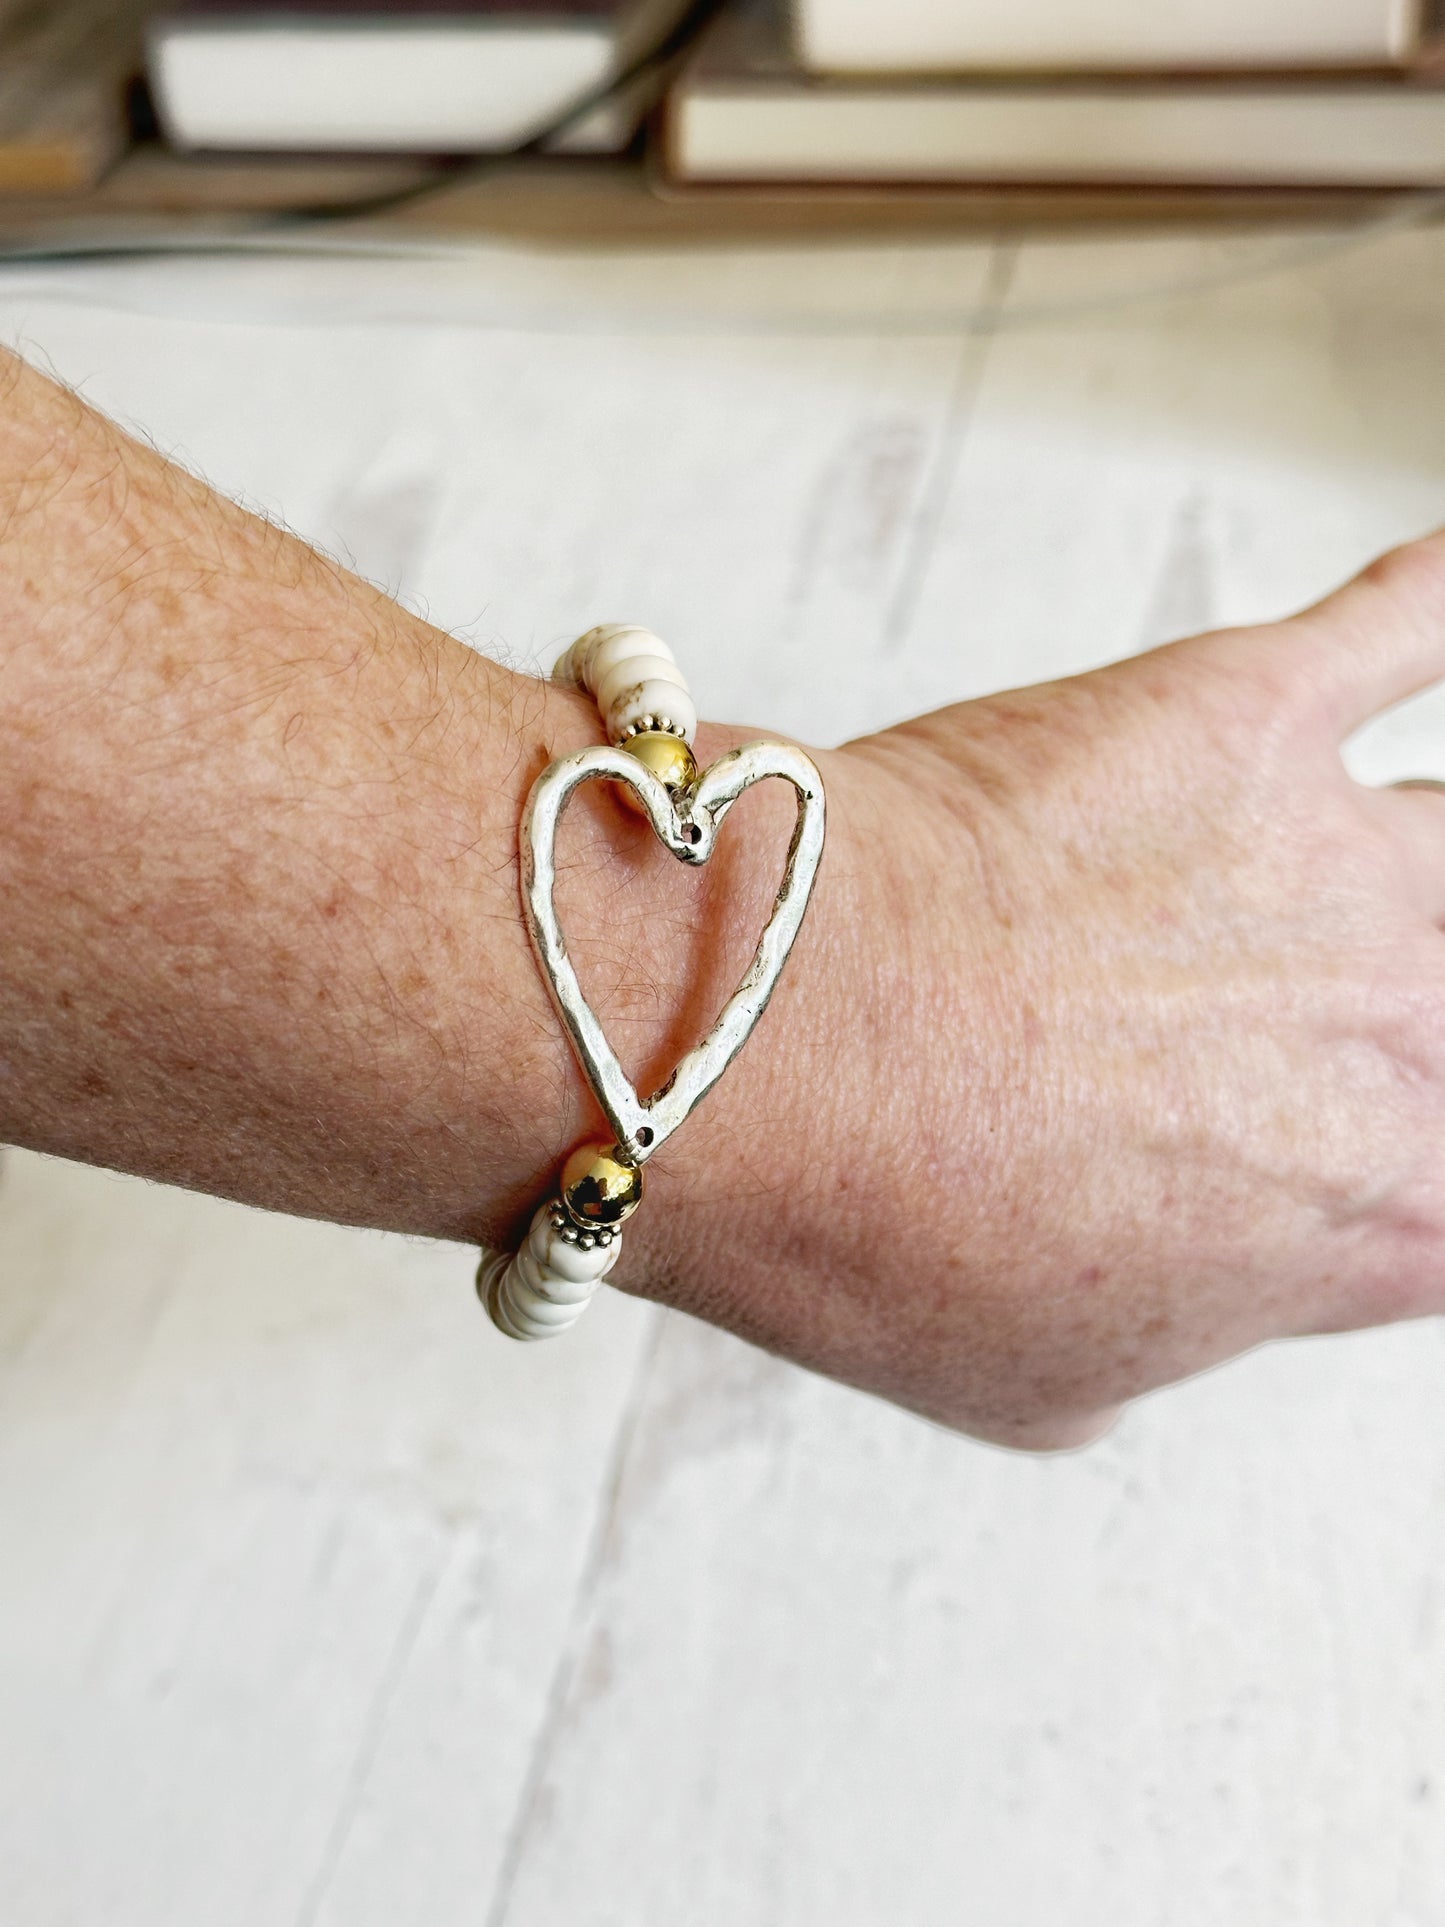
(551, 1284)
(564, 669)
(530, 1306)
(591, 655)
(653, 698)
(518, 1308)
(517, 1322)
(617, 645)
(491, 1283)
(568, 667)
(629, 670)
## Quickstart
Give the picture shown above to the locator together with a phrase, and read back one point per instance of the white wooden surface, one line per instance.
(321, 1605)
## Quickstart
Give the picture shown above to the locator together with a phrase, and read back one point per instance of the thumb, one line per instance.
(1378, 639)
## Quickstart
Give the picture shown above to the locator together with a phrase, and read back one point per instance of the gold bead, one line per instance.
(599, 1186)
(666, 755)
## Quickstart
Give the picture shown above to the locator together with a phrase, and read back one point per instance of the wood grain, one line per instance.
(319, 1604)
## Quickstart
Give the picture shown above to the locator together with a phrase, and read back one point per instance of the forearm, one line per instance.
(1112, 1043)
(258, 869)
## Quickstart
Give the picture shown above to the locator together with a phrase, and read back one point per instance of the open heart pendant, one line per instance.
(687, 822)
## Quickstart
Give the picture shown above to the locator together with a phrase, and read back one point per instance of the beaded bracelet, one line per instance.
(575, 1238)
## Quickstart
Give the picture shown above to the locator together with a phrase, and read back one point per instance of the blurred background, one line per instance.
(877, 357)
(706, 116)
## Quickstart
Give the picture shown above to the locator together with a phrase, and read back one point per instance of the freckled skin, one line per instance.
(1113, 1043)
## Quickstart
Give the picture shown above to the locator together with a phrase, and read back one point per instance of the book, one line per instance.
(849, 36)
(742, 110)
(397, 76)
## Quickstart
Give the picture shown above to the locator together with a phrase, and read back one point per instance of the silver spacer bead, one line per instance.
(651, 726)
(593, 1237)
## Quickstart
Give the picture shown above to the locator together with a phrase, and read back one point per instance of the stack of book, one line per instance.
(1059, 93)
(898, 110)
(917, 93)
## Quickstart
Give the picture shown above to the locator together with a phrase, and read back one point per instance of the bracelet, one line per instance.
(575, 1238)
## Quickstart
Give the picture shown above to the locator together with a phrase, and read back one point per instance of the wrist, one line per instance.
(824, 1165)
(735, 1196)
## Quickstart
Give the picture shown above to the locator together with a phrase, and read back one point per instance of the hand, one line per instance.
(1115, 1044)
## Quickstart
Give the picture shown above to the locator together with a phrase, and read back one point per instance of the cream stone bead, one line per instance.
(566, 669)
(530, 1317)
(653, 698)
(592, 654)
(540, 1306)
(623, 645)
(552, 1284)
(491, 1289)
(546, 1282)
(628, 670)
(520, 1310)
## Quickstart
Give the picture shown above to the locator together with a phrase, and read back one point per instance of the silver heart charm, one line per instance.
(688, 826)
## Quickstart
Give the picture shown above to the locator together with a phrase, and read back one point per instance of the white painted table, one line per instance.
(321, 1604)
